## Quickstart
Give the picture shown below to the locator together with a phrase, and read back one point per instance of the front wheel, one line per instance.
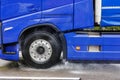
(41, 49)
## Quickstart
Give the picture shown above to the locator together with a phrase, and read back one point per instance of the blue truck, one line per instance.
(43, 29)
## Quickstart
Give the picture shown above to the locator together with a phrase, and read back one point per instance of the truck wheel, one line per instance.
(41, 50)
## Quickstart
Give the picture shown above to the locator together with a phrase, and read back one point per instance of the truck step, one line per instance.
(9, 52)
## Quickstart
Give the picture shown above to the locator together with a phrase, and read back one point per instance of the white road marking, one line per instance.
(38, 78)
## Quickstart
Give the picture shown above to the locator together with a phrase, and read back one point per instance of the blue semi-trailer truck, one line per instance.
(43, 29)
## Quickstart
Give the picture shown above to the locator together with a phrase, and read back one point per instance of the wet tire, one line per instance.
(41, 50)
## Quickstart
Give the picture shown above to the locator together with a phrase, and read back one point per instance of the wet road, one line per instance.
(66, 70)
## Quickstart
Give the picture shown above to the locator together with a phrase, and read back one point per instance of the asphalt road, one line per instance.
(91, 71)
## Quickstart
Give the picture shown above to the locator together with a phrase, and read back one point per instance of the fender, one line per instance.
(61, 35)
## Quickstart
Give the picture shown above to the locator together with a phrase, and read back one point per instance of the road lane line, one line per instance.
(38, 78)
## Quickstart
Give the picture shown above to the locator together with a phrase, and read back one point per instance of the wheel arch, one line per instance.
(45, 26)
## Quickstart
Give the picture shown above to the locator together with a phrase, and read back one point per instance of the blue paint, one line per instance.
(17, 15)
(12, 57)
(83, 14)
(60, 15)
(24, 14)
(14, 8)
(110, 47)
(110, 13)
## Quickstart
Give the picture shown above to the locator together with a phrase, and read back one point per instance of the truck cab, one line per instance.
(42, 29)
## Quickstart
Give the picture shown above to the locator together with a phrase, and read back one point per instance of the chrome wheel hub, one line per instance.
(40, 51)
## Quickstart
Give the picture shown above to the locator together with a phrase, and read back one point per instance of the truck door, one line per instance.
(58, 12)
(83, 14)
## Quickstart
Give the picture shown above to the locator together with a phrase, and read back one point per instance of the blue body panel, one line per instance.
(56, 15)
(110, 47)
(83, 14)
(110, 13)
(13, 57)
(17, 15)
(59, 13)
(14, 8)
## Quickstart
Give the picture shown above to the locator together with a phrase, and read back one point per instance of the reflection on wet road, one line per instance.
(91, 71)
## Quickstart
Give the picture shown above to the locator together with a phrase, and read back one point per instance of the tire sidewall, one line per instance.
(54, 44)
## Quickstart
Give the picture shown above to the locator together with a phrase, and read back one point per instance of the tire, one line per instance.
(41, 50)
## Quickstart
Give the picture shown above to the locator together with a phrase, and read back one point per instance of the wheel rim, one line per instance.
(40, 51)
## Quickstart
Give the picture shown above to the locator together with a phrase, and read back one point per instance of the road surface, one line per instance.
(91, 71)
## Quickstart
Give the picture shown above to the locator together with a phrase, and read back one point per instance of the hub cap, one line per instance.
(40, 51)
